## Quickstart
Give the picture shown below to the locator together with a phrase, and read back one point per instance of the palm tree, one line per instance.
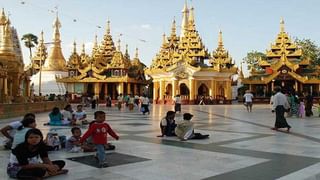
(30, 41)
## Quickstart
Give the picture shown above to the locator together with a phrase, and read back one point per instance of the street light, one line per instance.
(40, 69)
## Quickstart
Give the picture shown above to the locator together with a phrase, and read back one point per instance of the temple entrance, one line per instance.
(90, 90)
(286, 85)
(169, 91)
(220, 92)
(184, 91)
(102, 95)
(203, 90)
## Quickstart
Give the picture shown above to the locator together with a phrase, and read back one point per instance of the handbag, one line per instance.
(142, 109)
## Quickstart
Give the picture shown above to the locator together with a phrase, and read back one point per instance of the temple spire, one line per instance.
(95, 44)
(83, 49)
(173, 27)
(127, 52)
(6, 43)
(74, 46)
(56, 60)
(119, 45)
(184, 24)
(191, 21)
(220, 41)
(137, 54)
(282, 25)
(3, 17)
(108, 27)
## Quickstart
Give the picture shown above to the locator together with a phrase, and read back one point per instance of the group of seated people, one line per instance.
(29, 152)
(184, 129)
(67, 116)
(29, 149)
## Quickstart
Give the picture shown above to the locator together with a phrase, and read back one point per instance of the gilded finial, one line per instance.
(282, 25)
(118, 47)
(164, 38)
(184, 23)
(173, 28)
(83, 48)
(41, 37)
(108, 26)
(136, 54)
(74, 46)
(220, 41)
(191, 16)
(3, 17)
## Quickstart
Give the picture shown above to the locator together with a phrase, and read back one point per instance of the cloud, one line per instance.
(146, 26)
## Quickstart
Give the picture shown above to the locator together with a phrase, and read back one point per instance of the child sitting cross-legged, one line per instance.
(73, 143)
(99, 131)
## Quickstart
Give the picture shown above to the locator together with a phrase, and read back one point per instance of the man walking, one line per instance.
(280, 105)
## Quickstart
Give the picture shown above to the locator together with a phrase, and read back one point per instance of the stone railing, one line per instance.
(20, 109)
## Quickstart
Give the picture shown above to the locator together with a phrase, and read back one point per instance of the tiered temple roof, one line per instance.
(106, 64)
(188, 48)
(283, 57)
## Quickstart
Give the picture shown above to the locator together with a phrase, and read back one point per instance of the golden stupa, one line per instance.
(14, 81)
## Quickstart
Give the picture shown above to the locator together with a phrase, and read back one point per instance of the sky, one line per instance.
(246, 25)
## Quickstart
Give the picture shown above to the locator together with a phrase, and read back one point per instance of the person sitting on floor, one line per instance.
(24, 160)
(185, 130)
(56, 118)
(79, 116)
(67, 114)
(9, 130)
(73, 143)
(27, 123)
(168, 125)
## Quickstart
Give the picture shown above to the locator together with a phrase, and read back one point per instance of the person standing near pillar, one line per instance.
(280, 105)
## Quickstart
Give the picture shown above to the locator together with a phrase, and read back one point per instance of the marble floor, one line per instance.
(241, 146)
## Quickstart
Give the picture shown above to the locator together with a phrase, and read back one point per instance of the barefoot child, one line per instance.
(99, 131)
(73, 143)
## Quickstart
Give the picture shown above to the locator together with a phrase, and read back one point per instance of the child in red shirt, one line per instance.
(99, 130)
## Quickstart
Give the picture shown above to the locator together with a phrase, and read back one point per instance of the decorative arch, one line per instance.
(184, 90)
(203, 90)
(221, 91)
(168, 91)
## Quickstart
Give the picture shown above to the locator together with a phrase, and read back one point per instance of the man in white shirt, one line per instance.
(280, 105)
(248, 96)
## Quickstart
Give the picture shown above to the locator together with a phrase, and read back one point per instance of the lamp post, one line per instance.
(40, 69)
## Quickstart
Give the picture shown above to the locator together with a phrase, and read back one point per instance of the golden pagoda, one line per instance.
(49, 66)
(180, 68)
(14, 81)
(107, 71)
(284, 67)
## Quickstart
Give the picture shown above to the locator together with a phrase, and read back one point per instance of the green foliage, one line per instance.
(30, 41)
(252, 59)
(309, 50)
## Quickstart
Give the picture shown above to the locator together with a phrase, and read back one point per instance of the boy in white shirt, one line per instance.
(79, 115)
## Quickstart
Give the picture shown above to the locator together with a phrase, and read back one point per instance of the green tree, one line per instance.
(309, 50)
(252, 59)
(30, 41)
